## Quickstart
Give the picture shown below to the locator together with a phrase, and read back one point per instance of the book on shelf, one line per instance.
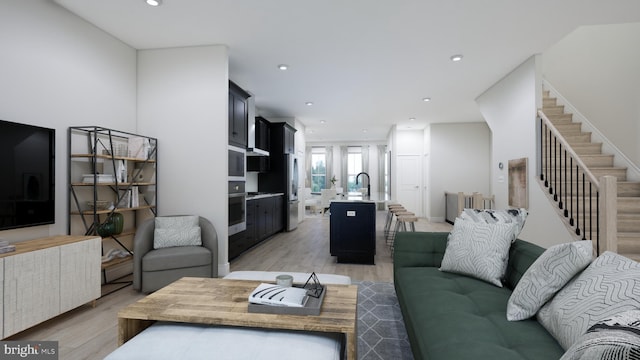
(138, 147)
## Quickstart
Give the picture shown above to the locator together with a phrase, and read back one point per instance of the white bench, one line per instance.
(170, 340)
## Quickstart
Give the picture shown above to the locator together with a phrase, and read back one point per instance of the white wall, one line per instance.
(509, 108)
(183, 101)
(596, 69)
(56, 71)
(460, 160)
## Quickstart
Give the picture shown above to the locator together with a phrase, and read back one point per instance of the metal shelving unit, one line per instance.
(118, 169)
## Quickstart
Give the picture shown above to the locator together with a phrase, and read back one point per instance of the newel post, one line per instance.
(608, 214)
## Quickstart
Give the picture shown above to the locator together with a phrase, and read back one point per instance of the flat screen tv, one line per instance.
(27, 176)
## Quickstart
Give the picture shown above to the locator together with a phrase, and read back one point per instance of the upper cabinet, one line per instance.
(263, 137)
(238, 110)
(282, 139)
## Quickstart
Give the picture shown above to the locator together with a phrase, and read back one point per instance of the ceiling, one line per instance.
(365, 64)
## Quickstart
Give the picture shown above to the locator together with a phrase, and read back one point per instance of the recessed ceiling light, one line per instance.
(154, 2)
(308, 103)
(455, 58)
(283, 67)
(310, 131)
(426, 99)
(322, 121)
(412, 119)
(364, 130)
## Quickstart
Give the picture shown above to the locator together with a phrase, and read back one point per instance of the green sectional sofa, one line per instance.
(455, 317)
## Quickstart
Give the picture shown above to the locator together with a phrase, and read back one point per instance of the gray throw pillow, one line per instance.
(175, 222)
(546, 276)
(615, 338)
(478, 249)
(177, 231)
(609, 285)
(163, 238)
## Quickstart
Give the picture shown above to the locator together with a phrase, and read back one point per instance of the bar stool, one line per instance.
(390, 215)
(401, 225)
(398, 213)
(389, 220)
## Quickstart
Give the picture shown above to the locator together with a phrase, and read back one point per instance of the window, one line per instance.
(318, 169)
(354, 166)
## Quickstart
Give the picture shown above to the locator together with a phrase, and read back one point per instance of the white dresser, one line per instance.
(46, 277)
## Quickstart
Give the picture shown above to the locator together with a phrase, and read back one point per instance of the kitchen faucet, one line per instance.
(368, 182)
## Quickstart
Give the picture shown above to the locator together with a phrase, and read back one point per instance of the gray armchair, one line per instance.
(156, 268)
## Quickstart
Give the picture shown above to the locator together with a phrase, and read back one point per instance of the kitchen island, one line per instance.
(353, 230)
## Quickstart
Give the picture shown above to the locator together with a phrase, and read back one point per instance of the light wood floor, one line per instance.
(91, 333)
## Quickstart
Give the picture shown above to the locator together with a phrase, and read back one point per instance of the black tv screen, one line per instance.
(27, 177)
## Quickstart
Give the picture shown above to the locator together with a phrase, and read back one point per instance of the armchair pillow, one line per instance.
(546, 276)
(609, 285)
(478, 249)
(173, 231)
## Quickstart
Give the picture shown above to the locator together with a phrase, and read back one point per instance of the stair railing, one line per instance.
(588, 204)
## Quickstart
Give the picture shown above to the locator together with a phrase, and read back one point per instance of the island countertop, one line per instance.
(357, 196)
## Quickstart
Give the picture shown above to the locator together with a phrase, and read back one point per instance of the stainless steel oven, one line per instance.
(237, 163)
(237, 207)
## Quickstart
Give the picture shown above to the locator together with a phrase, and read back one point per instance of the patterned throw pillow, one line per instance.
(173, 231)
(548, 274)
(479, 250)
(615, 338)
(489, 216)
(175, 222)
(611, 284)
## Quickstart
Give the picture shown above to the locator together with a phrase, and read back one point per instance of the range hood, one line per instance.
(252, 150)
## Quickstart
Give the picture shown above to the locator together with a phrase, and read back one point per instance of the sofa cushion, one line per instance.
(176, 258)
(609, 285)
(615, 338)
(546, 276)
(452, 316)
(479, 249)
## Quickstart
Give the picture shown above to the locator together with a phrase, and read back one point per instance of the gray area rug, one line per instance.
(381, 331)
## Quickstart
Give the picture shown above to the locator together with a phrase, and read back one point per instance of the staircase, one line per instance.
(599, 164)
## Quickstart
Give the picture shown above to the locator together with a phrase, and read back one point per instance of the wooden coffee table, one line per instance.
(224, 302)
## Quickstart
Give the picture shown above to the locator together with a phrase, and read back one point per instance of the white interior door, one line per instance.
(409, 183)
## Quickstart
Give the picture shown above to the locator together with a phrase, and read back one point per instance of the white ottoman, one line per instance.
(171, 341)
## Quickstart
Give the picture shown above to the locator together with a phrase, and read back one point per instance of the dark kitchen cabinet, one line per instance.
(237, 116)
(263, 142)
(263, 133)
(264, 219)
(282, 139)
(278, 214)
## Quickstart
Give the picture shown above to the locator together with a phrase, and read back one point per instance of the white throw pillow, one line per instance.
(478, 249)
(548, 274)
(615, 338)
(611, 284)
(490, 216)
(176, 222)
(163, 238)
